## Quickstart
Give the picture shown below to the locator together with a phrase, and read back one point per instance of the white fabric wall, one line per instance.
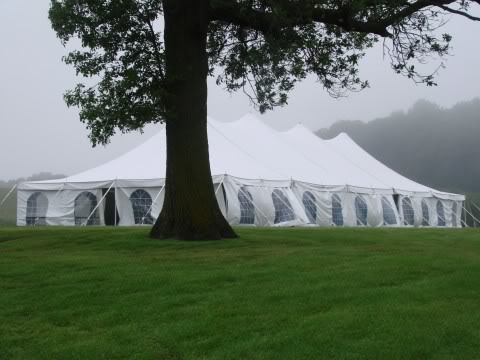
(261, 192)
(61, 203)
(61, 206)
(124, 204)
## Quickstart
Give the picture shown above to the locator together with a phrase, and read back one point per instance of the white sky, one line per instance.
(38, 132)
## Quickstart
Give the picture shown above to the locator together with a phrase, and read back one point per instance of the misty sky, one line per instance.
(39, 133)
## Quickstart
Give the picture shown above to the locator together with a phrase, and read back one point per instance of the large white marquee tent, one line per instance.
(262, 177)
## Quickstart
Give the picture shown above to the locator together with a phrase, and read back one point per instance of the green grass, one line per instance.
(8, 210)
(103, 293)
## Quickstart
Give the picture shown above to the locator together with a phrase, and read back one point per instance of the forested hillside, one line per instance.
(434, 146)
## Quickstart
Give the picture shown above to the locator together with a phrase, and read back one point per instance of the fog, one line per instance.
(39, 133)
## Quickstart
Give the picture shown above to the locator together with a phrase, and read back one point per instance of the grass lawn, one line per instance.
(103, 293)
(8, 210)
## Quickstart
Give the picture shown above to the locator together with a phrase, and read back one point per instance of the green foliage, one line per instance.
(95, 293)
(267, 67)
(123, 54)
(261, 47)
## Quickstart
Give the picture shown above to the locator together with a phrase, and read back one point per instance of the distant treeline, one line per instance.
(35, 177)
(433, 146)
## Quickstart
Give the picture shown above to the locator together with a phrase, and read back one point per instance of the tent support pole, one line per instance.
(474, 205)
(58, 192)
(471, 214)
(436, 214)
(153, 202)
(96, 207)
(8, 194)
(383, 201)
(475, 220)
(256, 207)
(220, 185)
(364, 201)
(289, 207)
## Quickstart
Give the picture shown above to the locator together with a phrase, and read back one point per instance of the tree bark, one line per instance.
(190, 209)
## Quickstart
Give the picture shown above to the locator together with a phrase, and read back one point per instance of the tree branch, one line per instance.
(458, 12)
(294, 14)
(266, 22)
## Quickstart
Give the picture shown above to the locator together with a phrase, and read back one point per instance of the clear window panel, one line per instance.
(142, 206)
(425, 214)
(283, 208)
(361, 210)
(85, 203)
(389, 217)
(310, 206)
(247, 209)
(440, 214)
(337, 213)
(408, 212)
(37, 206)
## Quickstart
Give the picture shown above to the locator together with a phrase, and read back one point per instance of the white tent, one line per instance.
(262, 177)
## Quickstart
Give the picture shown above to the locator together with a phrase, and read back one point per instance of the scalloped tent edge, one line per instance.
(247, 154)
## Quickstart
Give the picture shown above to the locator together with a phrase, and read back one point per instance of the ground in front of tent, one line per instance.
(289, 293)
(8, 210)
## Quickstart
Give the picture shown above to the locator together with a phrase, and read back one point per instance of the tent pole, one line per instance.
(471, 214)
(289, 207)
(58, 192)
(451, 213)
(475, 220)
(220, 185)
(438, 216)
(8, 194)
(153, 202)
(256, 207)
(364, 201)
(383, 201)
(475, 206)
(423, 217)
(96, 207)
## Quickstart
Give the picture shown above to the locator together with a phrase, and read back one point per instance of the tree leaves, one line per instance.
(123, 52)
(261, 47)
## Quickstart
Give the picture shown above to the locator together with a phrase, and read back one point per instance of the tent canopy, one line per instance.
(249, 149)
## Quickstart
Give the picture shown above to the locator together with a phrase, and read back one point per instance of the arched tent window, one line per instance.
(389, 217)
(361, 210)
(440, 214)
(37, 206)
(310, 206)
(85, 203)
(283, 208)
(425, 214)
(142, 206)
(247, 209)
(337, 213)
(408, 212)
(454, 214)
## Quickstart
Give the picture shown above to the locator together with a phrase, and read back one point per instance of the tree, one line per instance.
(262, 47)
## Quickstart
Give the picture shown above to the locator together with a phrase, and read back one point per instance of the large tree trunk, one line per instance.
(190, 209)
